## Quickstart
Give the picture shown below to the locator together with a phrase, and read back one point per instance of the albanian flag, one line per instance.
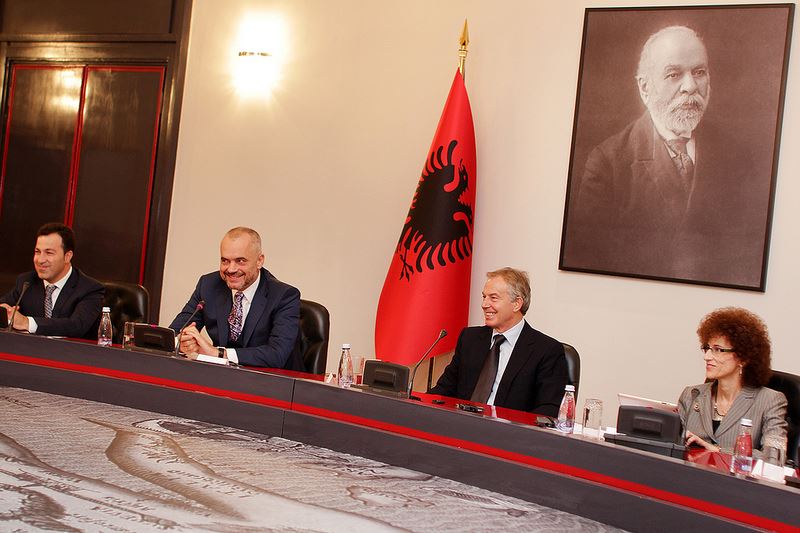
(427, 286)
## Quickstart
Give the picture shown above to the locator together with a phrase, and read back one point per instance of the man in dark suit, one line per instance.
(60, 299)
(506, 363)
(667, 197)
(251, 317)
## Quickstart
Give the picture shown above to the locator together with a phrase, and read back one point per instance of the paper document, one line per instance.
(629, 399)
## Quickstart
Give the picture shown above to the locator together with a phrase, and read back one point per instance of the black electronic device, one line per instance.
(652, 430)
(647, 423)
(544, 421)
(670, 449)
(154, 339)
(380, 377)
(3, 319)
(470, 408)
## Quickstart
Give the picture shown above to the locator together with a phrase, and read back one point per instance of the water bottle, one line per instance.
(742, 463)
(345, 368)
(105, 332)
(566, 413)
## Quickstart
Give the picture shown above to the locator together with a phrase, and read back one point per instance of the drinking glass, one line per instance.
(592, 417)
(127, 335)
(775, 450)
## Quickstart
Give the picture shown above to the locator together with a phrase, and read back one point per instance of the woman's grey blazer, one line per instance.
(765, 407)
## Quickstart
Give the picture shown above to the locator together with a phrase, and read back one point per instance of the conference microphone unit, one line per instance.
(197, 308)
(25, 286)
(442, 335)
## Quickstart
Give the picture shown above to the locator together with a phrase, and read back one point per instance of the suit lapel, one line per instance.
(66, 294)
(479, 351)
(519, 358)
(706, 406)
(739, 409)
(257, 307)
(223, 309)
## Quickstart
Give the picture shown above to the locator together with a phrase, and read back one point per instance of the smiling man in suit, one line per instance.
(60, 299)
(251, 317)
(506, 363)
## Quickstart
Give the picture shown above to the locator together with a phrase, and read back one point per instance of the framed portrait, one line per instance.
(675, 143)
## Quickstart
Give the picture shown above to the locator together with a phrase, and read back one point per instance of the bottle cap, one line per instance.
(106, 309)
(747, 422)
(345, 346)
(570, 388)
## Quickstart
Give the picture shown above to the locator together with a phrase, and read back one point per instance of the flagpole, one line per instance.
(462, 49)
(463, 42)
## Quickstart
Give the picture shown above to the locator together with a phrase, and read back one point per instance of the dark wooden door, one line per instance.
(80, 146)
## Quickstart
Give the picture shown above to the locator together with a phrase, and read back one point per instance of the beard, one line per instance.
(682, 113)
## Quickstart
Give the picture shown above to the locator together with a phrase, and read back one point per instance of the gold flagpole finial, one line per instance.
(462, 49)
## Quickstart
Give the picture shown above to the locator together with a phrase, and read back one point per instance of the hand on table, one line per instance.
(20, 320)
(193, 343)
(692, 439)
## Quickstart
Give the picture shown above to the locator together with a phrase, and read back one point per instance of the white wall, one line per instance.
(325, 170)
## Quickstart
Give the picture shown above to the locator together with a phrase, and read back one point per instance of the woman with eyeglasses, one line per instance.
(736, 350)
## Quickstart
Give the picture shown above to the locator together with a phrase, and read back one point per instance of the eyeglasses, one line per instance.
(716, 350)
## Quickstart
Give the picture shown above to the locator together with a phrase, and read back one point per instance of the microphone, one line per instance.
(442, 335)
(25, 286)
(199, 307)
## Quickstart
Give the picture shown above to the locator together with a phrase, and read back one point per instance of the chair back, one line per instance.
(315, 326)
(129, 302)
(573, 366)
(789, 385)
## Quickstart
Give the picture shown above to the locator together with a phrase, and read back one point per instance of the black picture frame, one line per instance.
(620, 216)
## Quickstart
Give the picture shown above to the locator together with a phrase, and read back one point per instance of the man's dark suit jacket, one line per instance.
(270, 332)
(77, 310)
(533, 381)
(630, 214)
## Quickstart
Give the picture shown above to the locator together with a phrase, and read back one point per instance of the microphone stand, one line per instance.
(199, 307)
(25, 286)
(442, 335)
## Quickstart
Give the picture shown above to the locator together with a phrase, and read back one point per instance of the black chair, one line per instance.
(315, 326)
(573, 366)
(789, 385)
(129, 302)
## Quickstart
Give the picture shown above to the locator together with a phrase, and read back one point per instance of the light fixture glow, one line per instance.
(261, 52)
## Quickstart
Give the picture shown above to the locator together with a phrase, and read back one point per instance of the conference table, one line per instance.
(498, 450)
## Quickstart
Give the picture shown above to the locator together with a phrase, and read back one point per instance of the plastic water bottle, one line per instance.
(566, 413)
(345, 368)
(105, 332)
(742, 464)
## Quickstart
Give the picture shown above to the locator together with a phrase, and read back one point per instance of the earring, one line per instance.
(740, 370)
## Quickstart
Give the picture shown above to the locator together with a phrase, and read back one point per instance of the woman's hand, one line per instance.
(692, 439)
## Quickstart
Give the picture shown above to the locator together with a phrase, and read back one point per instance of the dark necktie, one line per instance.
(48, 300)
(489, 372)
(235, 318)
(682, 160)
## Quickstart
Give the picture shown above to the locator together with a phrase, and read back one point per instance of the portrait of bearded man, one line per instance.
(672, 195)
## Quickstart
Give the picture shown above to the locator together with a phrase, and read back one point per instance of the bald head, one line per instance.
(673, 78)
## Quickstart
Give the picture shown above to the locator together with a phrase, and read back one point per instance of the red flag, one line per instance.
(427, 286)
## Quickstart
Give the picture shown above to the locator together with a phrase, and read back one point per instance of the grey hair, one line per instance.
(519, 285)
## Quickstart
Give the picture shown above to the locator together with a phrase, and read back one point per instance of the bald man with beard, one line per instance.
(667, 197)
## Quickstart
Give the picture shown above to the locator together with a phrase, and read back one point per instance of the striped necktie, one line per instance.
(48, 300)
